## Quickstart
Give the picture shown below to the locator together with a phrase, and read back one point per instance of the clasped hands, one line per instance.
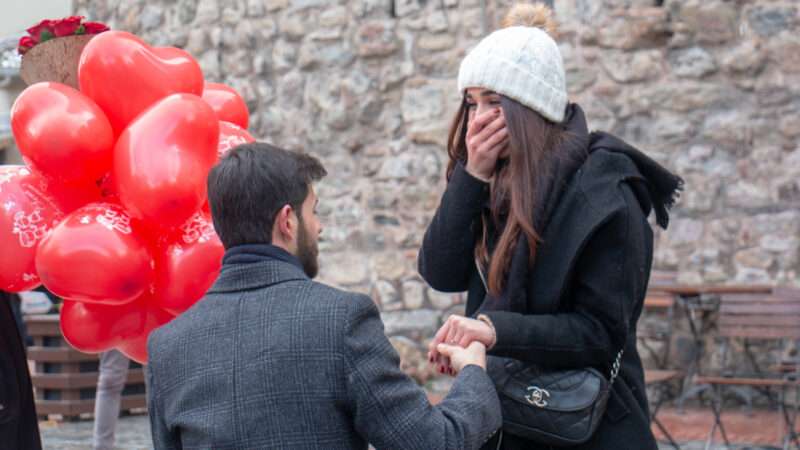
(461, 341)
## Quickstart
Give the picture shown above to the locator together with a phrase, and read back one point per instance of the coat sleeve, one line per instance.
(163, 437)
(392, 412)
(446, 257)
(609, 279)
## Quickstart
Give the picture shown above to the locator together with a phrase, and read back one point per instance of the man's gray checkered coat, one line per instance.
(270, 360)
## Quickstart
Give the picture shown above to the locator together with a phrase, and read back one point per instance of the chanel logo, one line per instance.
(537, 396)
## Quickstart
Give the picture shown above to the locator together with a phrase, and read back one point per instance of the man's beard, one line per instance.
(307, 251)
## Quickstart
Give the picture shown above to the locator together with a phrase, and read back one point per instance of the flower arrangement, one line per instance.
(52, 48)
(49, 29)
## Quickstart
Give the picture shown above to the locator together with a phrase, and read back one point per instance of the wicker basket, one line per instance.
(55, 60)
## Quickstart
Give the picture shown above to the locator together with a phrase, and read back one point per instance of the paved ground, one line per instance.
(133, 433)
(760, 431)
(763, 429)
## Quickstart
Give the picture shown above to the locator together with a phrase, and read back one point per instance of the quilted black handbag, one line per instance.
(561, 408)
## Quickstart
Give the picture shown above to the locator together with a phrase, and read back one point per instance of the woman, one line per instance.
(545, 225)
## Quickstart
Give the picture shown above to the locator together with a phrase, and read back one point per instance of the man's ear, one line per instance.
(285, 224)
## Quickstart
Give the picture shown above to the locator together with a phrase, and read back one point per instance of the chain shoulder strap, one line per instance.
(615, 367)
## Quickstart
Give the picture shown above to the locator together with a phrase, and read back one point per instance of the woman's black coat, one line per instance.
(582, 297)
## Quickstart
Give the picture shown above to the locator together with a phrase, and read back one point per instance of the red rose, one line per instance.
(94, 27)
(67, 26)
(25, 44)
(45, 25)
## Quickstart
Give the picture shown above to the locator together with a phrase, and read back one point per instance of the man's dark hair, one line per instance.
(251, 183)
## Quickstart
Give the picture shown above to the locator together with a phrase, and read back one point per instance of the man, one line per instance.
(270, 359)
(19, 426)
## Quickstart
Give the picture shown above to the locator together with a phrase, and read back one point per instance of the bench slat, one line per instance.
(75, 407)
(763, 308)
(79, 380)
(759, 320)
(758, 332)
(58, 354)
(734, 381)
(660, 376)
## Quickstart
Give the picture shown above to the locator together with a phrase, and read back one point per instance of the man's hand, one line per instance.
(460, 357)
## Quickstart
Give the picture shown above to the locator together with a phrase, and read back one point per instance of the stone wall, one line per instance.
(709, 87)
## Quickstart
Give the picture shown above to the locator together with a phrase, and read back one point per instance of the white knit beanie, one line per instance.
(520, 62)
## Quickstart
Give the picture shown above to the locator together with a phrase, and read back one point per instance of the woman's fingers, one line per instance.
(496, 150)
(451, 335)
(465, 340)
(480, 122)
(456, 331)
(459, 335)
(442, 361)
(440, 337)
(495, 139)
(488, 131)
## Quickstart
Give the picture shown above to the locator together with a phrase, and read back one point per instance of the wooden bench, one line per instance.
(659, 300)
(64, 379)
(770, 316)
(660, 381)
(662, 302)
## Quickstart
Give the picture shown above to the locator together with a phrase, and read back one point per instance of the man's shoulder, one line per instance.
(168, 340)
(312, 295)
(331, 296)
(315, 300)
(162, 338)
(327, 290)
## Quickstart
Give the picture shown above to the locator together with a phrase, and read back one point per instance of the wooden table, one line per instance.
(695, 290)
(702, 300)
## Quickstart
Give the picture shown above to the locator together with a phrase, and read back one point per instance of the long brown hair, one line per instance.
(518, 187)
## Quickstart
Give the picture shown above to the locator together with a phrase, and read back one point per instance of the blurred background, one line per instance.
(710, 88)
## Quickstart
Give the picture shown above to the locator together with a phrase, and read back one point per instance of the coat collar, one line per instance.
(243, 277)
(590, 199)
(255, 253)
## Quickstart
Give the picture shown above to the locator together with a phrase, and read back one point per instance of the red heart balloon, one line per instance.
(94, 328)
(94, 256)
(27, 215)
(188, 266)
(162, 159)
(62, 133)
(125, 76)
(135, 347)
(71, 196)
(231, 135)
(227, 103)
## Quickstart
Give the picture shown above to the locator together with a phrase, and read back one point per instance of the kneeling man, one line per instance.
(270, 359)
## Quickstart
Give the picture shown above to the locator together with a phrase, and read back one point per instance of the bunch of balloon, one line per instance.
(108, 212)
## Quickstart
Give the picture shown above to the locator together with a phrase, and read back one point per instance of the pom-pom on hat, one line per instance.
(521, 61)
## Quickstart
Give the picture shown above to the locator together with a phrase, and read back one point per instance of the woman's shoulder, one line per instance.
(601, 181)
(593, 197)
